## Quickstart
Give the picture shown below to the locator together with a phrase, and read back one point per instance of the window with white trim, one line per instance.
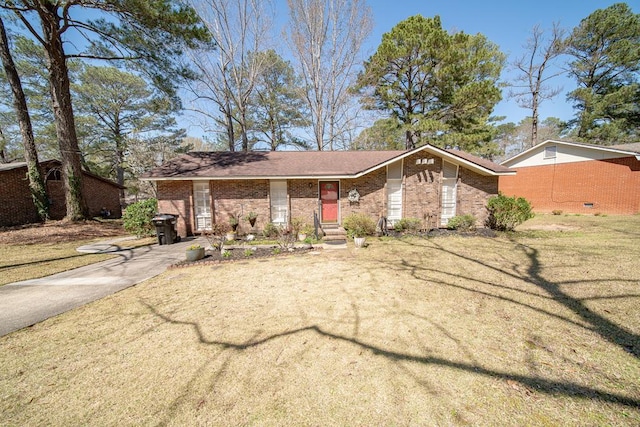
(202, 205)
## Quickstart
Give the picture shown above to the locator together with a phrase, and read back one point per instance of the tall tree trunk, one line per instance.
(63, 112)
(228, 117)
(410, 136)
(36, 182)
(243, 130)
(119, 158)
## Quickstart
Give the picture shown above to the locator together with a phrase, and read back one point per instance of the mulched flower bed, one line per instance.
(245, 253)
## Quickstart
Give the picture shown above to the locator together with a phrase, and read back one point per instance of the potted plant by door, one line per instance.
(359, 226)
(304, 232)
(194, 253)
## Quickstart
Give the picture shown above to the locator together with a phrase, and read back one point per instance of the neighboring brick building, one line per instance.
(577, 178)
(16, 204)
(428, 183)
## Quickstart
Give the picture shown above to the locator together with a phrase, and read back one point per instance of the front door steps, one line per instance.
(334, 233)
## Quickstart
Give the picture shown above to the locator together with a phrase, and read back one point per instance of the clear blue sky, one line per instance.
(507, 23)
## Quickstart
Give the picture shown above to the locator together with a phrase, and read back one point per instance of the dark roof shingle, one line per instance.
(295, 164)
(256, 164)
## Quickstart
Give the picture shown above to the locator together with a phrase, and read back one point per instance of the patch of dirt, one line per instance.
(246, 253)
(547, 227)
(60, 231)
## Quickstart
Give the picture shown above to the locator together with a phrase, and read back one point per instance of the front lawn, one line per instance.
(539, 327)
(38, 250)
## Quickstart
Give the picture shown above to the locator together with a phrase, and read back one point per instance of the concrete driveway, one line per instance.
(26, 303)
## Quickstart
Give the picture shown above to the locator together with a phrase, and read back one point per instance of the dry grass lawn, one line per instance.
(38, 250)
(537, 328)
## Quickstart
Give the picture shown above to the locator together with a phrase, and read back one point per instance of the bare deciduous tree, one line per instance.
(530, 88)
(228, 74)
(326, 38)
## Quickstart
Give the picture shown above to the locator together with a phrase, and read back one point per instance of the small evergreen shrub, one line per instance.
(408, 225)
(137, 217)
(462, 222)
(359, 225)
(506, 213)
(271, 231)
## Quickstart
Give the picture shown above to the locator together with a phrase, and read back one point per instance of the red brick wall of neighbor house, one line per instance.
(97, 193)
(613, 186)
(16, 205)
(57, 200)
(100, 194)
(175, 197)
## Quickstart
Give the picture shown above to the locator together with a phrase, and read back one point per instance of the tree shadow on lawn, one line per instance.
(543, 385)
(604, 327)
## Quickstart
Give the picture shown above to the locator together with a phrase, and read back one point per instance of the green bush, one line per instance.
(136, 218)
(271, 231)
(408, 225)
(505, 213)
(359, 225)
(462, 222)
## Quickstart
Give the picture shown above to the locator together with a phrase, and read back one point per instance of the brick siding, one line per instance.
(175, 197)
(239, 197)
(612, 186)
(16, 204)
(473, 192)
(100, 194)
(421, 196)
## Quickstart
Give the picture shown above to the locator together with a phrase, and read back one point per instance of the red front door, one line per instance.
(329, 191)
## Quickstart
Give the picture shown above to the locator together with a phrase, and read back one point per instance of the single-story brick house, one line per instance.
(16, 204)
(577, 178)
(428, 183)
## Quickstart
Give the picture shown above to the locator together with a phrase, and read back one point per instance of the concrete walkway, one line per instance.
(26, 303)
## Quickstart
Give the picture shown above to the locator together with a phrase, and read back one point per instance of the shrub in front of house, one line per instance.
(408, 225)
(506, 213)
(462, 223)
(359, 225)
(271, 231)
(137, 217)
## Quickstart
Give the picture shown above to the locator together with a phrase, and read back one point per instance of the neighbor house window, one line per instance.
(550, 152)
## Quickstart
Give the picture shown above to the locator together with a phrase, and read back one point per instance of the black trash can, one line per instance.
(166, 228)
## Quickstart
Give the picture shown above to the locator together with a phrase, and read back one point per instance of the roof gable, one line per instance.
(568, 152)
(56, 163)
(300, 164)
